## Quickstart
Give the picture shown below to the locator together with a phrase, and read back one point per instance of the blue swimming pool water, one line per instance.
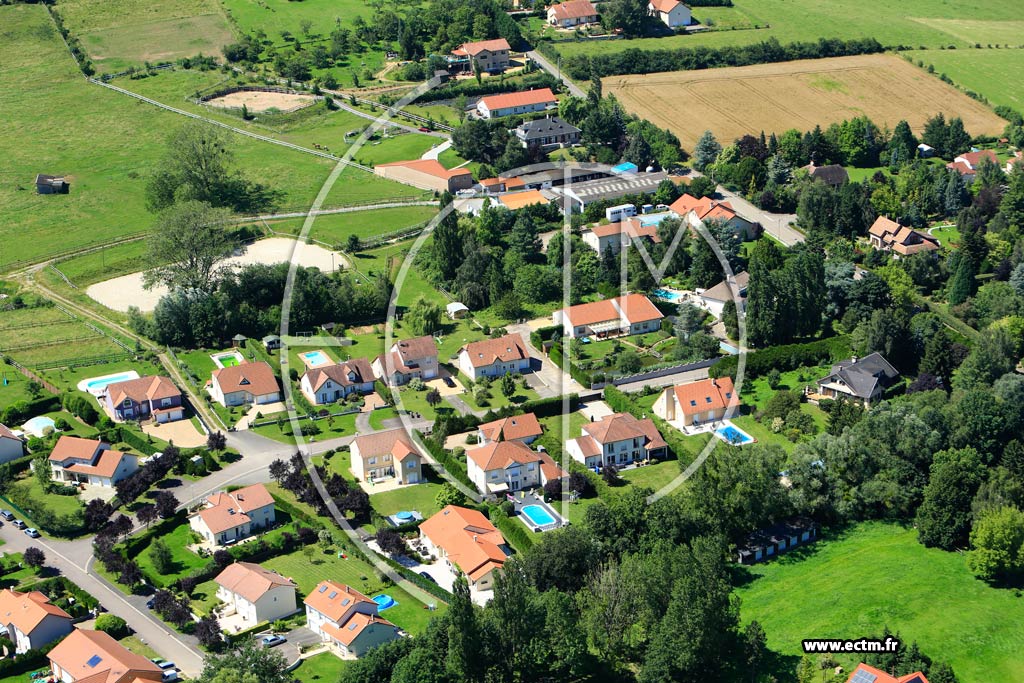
(728, 348)
(38, 424)
(404, 515)
(538, 515)
(667, 295)
(316, 358)
(384, 601)
(736, 437)
(104, 381)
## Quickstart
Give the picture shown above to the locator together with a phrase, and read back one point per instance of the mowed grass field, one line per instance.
(876, 575)
(121, 33)
(336, 228)
(995, 73)
(913, 24)
(801, 94)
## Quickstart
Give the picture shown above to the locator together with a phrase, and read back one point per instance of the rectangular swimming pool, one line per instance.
(538, 516)
(734, 435)
(315, 359)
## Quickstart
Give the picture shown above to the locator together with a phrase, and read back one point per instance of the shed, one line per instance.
(457, 310)
(238, 341)
(925, 151)
(51, 184)
(271, 342)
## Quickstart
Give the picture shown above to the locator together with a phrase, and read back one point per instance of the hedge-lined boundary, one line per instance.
(784, 358)
(512, 529)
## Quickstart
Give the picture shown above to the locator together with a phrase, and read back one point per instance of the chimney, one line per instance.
(475, 538)
(714, 382)
(855, 359)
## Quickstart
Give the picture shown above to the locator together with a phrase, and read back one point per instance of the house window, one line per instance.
(530, 467)
(494, 475)
(412, 465)
(165, 402)
(127, 403)
(372, 461)
(387, 458)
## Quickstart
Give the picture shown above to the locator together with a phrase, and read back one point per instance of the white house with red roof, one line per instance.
(427, 174)
(330, 383)
(385, 455)
(967, 164)
(31, 621)
(506, 466)
(672, 13)
(618, 439)
(1017, 161)
(254, 594)
(695, 212)
(346, 619)
(230, 516)
(516, 103)
(494, 357)
(245, 383)
(525, 428)
(869, 674)
(697, 403)
(572, 13)
(486, 55)
(147, 397)
(888, 235)
(88, 656)
(11, 446)
(89, 461)
(619, 235)
(408, 358)
(468, 543)
(629, 314)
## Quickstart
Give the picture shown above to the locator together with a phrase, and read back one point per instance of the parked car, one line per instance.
(428, 577)
(171, 675)
(32, 533)
(164, 664)
(7, 514)
(271, 641)
(149, 605)
(18, 524)
(424, 129)
(449, 382)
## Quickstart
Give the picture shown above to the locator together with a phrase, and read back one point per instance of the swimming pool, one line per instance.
(384, 601)
(96, 385)
(653, 219)
(733, 435)
(37, 426)
(537, 515)
(404, 515)
(668, 295)
(728, 348)
(227, 359)
(315, 359)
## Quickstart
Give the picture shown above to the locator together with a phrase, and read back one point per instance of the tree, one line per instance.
(222, 557)
(508, 386)
(944, 518)
(433, 398)
(390, 541)
(628, 362)
(706, 151)
(216, 441)
(130, 574)
(990, 358)
(630, 16)
(97, 513)
(161, 557)
(166, 504)
(34, 557)
(113, 625)
(423, 317)
(191, 244)
(146, 514)
(755, 647)
(247, 662)
(449, 495)
(196, 167)
(997, 542)
(207, 632)
(464, 638)
(702, 186)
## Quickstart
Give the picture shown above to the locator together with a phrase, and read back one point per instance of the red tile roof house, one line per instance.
(572, 13)
(407, 359)
(869, 674)
(525, 428)
(619, 235)
(384, 455)
(229, 517)
(525, 102)
(139, 399)
(504, 466)
(696, 403)
(630, 314)
(90, 461)
(468, 543)
(11, 447)
(346, 619)
(255, 594)
(31, 621)
(696, 211)
(245, 383)
(329, 383)
(672, 13)
(426, 174)
(494, 357)
(888, 235)
(94, 657)
(488, 55)
(618, 439)
(967, 164)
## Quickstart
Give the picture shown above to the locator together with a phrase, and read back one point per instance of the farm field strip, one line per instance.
(993, 73)
(775, 97)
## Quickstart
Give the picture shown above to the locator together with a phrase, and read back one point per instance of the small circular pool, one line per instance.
(404, 515)
(384, 601)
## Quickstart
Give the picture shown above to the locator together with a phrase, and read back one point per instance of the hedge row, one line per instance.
(448, 461)
(20, 411)
(513, 530)
(784, 358)
(30, 660)
(490, 86)
(576, 372)
(135, 441)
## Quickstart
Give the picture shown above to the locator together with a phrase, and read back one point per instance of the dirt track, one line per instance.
(257, 101)
(732, 102)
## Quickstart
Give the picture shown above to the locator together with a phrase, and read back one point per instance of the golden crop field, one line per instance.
(731, 102)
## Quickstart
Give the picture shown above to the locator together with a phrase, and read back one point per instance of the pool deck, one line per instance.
(123, 376)
(525, 498)
(234, 353)
(310, 363)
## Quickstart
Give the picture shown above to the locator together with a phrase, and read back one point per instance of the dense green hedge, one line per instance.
(448, 461)
(512, 529)
(544, 334)
(490, 86)
(576, 372)
(135, 441)
(20, 411)
(784, 358)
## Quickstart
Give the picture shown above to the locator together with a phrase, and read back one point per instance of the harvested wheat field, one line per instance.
(258, 101)
(735, 101)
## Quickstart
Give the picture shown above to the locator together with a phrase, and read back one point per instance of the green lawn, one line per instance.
(68, 378)
(498, 400)
(104, 264)
(58, 505)
(344, 425)
(993, 73)
(913, 23)
(402, 147)
(335, 229)
(948, 236)
(878, 575)
(378, 416)
(653, 476)
(321, 668)
(418, 497)
(184, 559)
(15, 390)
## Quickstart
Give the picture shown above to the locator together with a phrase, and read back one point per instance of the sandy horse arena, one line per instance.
(257, 101)
(121, 292)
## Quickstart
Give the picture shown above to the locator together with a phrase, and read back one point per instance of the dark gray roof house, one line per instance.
(860, 379)
(546, 132)
(833, 174)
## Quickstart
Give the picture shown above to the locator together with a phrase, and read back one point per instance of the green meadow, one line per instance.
(994, 73)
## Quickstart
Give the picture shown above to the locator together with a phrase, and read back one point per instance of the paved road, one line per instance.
(339, 101)
(553, 70)
(435, 152)
(72, 558)
(547, 378)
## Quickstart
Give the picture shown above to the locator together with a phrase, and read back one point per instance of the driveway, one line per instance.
(435, 151)
(297, 639)
(182, 432)
(547, 379)
(776, 225)
(543, 63)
